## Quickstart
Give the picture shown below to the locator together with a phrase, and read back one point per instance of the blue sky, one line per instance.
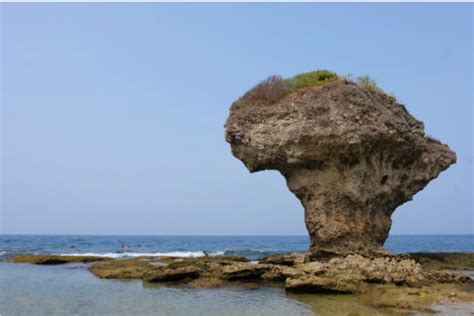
(112, 114)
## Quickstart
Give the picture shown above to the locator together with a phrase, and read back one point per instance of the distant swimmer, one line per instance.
(73, 247)
(124, 246)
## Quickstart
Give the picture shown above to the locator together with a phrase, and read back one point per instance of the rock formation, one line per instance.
(350, 153)
(391, 281)
(348, 274)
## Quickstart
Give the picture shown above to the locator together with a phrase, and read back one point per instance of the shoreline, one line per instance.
(297, 277)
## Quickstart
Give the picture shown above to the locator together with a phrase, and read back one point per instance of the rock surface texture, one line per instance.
(388, 282)
(349, 274)
(351, 155)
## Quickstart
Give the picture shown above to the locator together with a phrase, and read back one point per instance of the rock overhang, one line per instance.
(349, 152)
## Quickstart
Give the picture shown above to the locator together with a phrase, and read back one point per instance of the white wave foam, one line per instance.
(184, 254)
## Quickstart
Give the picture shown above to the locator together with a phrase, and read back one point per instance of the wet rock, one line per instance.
(56, 259)
(444, 260)
(347, 274)
(278, 273)
(243, 271)
(124, 269)
(393, 278)
(207, 283)
(287, 259)
(166, 274)
(444, 276)
(407, 298)
(351, 155)
(314, 284)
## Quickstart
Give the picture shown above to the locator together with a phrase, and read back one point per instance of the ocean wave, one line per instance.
(184, 254)
(250, 254)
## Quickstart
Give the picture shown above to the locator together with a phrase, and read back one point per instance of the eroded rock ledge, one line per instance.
(350, 154)
(393, 281)
(295, 270)
(56, 259)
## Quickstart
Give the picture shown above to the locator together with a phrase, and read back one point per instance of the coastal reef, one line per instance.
(295, 270)
(348, 151)
(56, 259)
(409, 281)
(397, 282)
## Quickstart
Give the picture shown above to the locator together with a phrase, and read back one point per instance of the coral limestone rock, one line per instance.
(350, 153)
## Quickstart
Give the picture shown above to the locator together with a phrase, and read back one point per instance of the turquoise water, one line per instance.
(71, 289)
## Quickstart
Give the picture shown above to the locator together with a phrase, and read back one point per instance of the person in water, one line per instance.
(124, 246)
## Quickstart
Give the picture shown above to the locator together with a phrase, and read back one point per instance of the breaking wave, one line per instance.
(184, 254)
(248, 253)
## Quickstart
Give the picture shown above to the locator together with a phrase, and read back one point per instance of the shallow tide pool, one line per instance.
(71, 289)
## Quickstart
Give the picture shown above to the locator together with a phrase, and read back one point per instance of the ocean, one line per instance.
(70, 289)
(252, 247)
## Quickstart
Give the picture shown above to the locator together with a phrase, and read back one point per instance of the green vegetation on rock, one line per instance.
(310, 79)
(274, 88)
(369, 83)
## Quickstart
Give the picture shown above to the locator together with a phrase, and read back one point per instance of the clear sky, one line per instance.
(113, 114)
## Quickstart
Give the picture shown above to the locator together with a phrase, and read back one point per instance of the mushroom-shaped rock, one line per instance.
(350, 153)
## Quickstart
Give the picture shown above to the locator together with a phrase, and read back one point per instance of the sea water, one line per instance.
(71, 289)
(252, 247)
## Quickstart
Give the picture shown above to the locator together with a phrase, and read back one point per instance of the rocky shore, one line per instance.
(56, 259)
(410, 281)
(351, 154)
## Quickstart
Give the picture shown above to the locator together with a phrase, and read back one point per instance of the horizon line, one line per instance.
(211, 235)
